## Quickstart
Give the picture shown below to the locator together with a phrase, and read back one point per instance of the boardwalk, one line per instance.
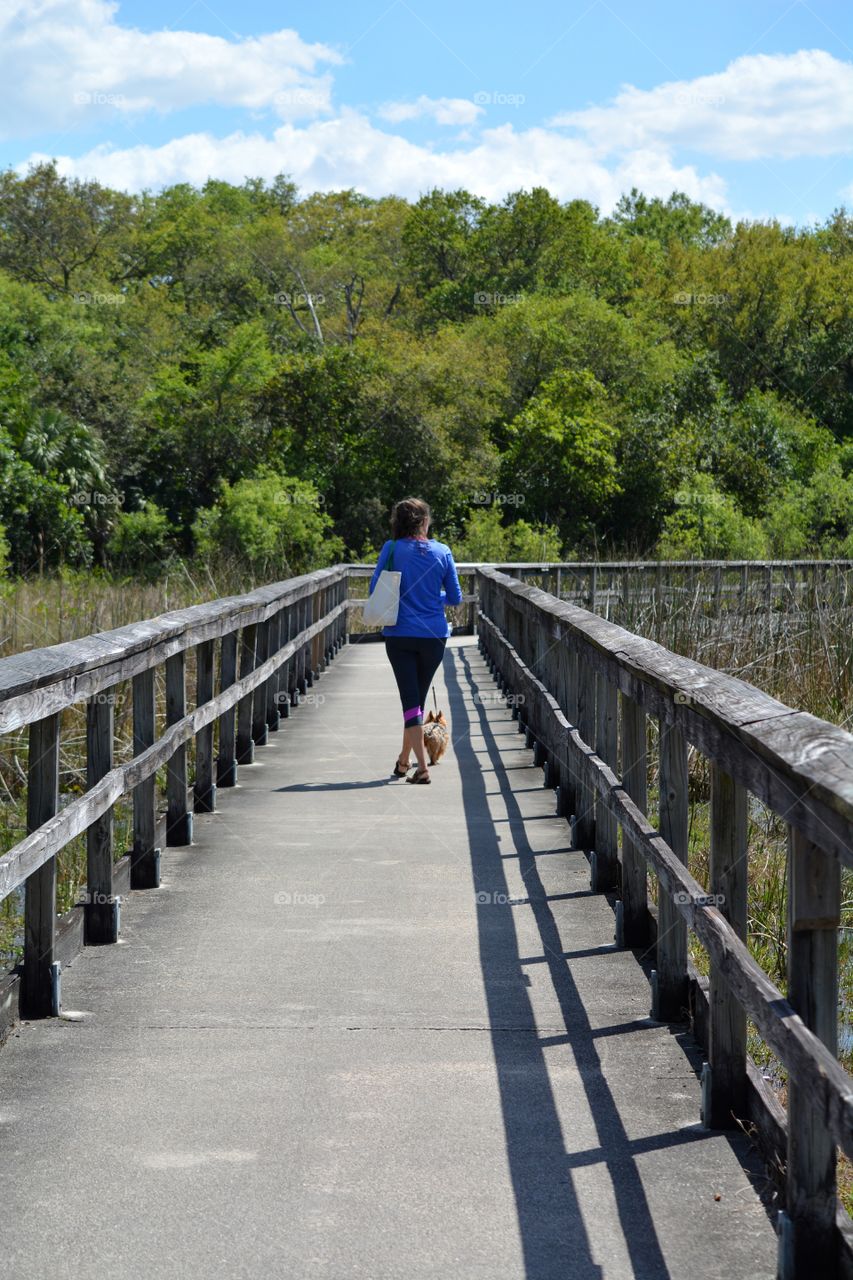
(370, 1030)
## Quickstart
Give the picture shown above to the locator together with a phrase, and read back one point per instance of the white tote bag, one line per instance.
(383, 603)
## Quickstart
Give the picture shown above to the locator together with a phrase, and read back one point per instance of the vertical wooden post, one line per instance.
(606, 861)
(271, 686)
(204, 794)
(260, 731)
(280, 693)
(584, 836)
(100, 915)
(144, 857)
(301, 673)
(568, 668)
(593, 587)
(669, 990)
(245, 745)
(814, 913)
(310, 601)
(179, 820)
(726, 1095)
(635, 907)
(40, 890)
(226, 765)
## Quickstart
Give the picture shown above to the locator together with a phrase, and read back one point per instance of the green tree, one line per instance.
(271, 524)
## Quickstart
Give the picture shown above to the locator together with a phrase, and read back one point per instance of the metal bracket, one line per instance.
(707, 1078)
(56, 988)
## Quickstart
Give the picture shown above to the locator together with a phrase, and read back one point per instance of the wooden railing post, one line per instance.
(814, 912)
(245, 744)
(634, 924)
(302, 681)
(226, 764)
(204, 797)
(100, 913)
(179, 820)
(144, 856)
(260, 729)
(569, 703)
(280, 691)
(724, 1088)
(604, 863)
(669, 978)
(584, 833)
(271, 686)
(39, 982)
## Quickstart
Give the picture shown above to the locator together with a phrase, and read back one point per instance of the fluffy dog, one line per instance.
(436, 736)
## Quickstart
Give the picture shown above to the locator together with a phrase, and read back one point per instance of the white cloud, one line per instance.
(68, 63)
(760, 106)
(452, 111)
(349, 151)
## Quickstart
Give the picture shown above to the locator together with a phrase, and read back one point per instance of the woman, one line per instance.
(415, 644)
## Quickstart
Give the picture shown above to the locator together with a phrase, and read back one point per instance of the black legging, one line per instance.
(415, 660)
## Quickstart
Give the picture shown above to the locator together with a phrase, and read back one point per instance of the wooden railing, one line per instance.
(271, 645)
(583, 689)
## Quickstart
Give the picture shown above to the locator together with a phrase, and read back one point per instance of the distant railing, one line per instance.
(271, 646)
(587, 688)
(620, 587)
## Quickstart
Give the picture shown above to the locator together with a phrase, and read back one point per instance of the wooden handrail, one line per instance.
(558, 661)
(284, 635)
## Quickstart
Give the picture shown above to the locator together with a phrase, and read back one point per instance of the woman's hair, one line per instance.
(407, 516)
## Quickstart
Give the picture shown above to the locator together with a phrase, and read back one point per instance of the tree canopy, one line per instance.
(252, 372)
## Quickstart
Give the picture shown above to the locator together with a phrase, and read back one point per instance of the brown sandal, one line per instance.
(398, 772)
(420, 777)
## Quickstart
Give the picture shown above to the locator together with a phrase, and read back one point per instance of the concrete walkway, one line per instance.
(369, 1030)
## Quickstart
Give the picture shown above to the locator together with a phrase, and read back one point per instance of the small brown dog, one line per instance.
(436, 736)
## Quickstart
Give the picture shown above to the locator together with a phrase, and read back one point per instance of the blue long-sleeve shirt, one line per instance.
(429, 582)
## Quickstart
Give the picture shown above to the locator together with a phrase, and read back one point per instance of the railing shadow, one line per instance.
(554, 1236)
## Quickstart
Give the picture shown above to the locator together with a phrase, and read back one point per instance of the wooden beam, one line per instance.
(40, 891)
(101, 907)
(144, 857)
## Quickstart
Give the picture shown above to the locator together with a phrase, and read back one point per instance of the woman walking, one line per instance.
(415, 644)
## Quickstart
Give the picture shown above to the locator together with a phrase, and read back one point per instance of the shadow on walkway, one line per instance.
(553, 1233)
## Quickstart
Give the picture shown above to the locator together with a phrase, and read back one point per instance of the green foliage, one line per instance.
(708, 525)
(158, 350)
(273, 524)
(562, 452)
(142, 542)
(486, 538)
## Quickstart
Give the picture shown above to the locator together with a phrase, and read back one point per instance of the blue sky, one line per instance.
(748, 106)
